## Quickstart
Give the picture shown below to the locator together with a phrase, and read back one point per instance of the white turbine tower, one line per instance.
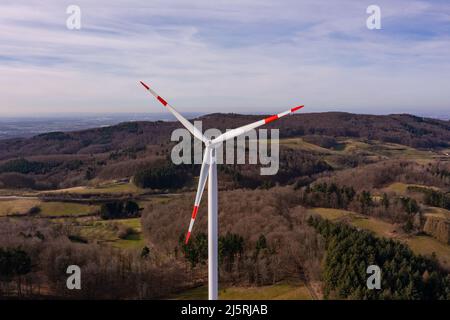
(209, 168)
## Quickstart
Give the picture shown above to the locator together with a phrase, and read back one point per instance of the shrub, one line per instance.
(34, 210)
(24, 166)
(437, 199)
(145, 253)
(124, 232)
(77, 238)
(168, 177)
(14, 262)
(119, 210)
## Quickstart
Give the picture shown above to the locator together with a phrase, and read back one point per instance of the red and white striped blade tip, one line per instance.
(188, 235)
(297, 108)
(194, 215)
(145, 86)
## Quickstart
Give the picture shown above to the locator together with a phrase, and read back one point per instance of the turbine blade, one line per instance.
(204, 171)
(241, 130)
(180, 118)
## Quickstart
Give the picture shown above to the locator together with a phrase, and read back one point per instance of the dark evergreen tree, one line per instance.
(404, 275)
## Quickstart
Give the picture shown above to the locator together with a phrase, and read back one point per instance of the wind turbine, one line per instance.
(209, 168)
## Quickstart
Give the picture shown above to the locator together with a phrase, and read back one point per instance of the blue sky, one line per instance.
(248, 56)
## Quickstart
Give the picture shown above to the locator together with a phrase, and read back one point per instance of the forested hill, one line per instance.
(404, 129)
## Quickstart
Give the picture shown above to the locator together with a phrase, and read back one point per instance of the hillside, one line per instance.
(403, 129)
(108, 199)
(67, 159)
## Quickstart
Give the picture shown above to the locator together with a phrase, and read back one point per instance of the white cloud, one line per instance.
(202, 56)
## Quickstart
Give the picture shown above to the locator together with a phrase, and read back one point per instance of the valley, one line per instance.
(74, 196)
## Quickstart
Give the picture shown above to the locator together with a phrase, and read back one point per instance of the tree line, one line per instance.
(437, 199)
(119, 210)
(163, 177)
(14, 264)
(34, 265)
(403, 274)
(393, 208)
(24, 166)
(196, 251)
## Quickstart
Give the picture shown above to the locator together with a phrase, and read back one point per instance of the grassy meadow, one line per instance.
(281, 291)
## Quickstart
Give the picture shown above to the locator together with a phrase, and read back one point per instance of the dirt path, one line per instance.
(18, 197)
(308, 285)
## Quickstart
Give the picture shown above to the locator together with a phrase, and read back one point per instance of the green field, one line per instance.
(299, 143)
(377, 226)
(353, 146)
(403, 188)
(48, 209)
(332, 214)
(106, 232)
(86, 221)
(280, 291)
(63, 209)
(426, 245)
(111, 187)
(116, 188)
(17, 206)
(135, 240)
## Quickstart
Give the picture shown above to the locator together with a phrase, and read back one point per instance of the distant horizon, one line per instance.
(442, 115)
(25, 126)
